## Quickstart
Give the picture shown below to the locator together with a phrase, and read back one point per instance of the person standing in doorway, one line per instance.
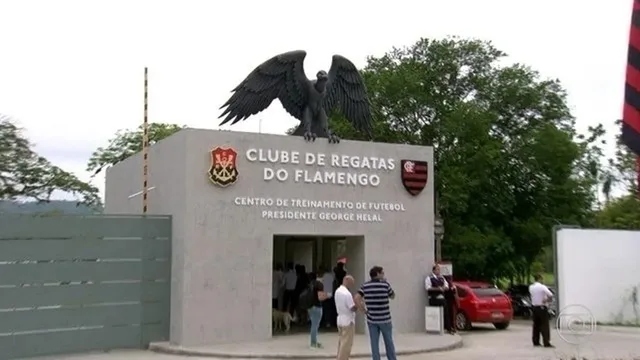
(374, 296)
(277, 285)
(437, 288)
(541, 296)
(329, 305)
(290, 280)
(346, 320)
(318, 295)
(339, 272)
(302, 283)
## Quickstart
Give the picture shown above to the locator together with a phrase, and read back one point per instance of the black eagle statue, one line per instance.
(282, 77)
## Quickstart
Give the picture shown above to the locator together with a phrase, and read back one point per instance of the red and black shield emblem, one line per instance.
(223, 171)
(414, 175)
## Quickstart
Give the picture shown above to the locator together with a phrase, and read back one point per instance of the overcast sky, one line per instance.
(71, 72)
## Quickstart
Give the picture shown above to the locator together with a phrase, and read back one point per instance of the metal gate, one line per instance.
(82, 283)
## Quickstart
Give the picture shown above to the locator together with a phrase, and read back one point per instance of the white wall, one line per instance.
(598, 269)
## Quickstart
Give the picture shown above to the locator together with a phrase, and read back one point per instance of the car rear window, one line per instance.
(487, 292)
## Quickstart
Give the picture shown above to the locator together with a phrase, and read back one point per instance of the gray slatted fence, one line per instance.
(82, 283)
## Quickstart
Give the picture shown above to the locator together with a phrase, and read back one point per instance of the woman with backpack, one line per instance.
(312, 298)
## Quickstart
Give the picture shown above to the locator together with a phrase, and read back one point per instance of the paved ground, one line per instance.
(481, 344)
(297, 347)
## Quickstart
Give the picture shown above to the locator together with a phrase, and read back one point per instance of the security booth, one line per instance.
(236, 200)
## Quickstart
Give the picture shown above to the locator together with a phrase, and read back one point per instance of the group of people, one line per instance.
(372, 299)
(327, 297)
(291, 282)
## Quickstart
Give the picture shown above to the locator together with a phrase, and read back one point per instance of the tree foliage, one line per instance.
(508, 161)
(25, 175)
(622, 213)
(126, 143)
(622, 167)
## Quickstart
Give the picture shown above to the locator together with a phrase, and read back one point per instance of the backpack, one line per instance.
(307, 298)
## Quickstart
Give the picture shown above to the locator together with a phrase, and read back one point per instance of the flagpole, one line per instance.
(638, 176)
(145, 144)
(631, 109)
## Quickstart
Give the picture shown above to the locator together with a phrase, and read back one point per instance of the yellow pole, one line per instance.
(145, 144)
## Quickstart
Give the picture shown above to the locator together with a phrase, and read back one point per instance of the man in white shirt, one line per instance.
(277, 286)
(290, 281)
(541, 296)
(328, 306)
(346, 309)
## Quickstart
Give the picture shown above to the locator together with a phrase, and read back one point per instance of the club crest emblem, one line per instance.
(223, 171)
(414, 175)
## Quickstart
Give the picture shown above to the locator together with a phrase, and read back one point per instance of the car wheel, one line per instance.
(501, 326)
(462, 321)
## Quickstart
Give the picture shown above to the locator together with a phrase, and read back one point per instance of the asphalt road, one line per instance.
(484, 343)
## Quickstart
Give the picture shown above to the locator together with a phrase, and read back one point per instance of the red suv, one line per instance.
(482, 303)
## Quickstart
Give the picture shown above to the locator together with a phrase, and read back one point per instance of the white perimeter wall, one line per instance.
(598, 269)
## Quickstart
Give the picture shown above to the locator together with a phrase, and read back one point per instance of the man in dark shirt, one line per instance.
(375, 294)
(339, 273)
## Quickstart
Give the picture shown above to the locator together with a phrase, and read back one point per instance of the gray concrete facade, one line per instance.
(223, 235)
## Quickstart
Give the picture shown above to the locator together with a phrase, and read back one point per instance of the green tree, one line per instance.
(126, 143)
(623, 166)
(509, 164)
(622, 213)
(25, 175)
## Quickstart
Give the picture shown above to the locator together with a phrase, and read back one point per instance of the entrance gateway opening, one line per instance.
(309, 257)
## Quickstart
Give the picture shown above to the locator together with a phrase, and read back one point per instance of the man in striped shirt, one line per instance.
(376, 294)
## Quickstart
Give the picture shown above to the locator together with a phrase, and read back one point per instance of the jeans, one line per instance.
(374, 336)
(315, 315)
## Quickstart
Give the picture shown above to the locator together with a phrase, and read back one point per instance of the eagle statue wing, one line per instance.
(282, 77)
(346, 90)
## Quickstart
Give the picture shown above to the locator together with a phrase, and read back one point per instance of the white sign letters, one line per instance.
(339, 169)
(323, 210)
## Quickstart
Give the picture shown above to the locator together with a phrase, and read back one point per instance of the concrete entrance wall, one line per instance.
(223, 235)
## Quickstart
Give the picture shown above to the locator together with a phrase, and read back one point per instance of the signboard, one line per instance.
(317, 169)
(434, 319)
(320, 168)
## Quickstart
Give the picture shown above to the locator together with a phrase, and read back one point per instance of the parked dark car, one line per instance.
(521, 301)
